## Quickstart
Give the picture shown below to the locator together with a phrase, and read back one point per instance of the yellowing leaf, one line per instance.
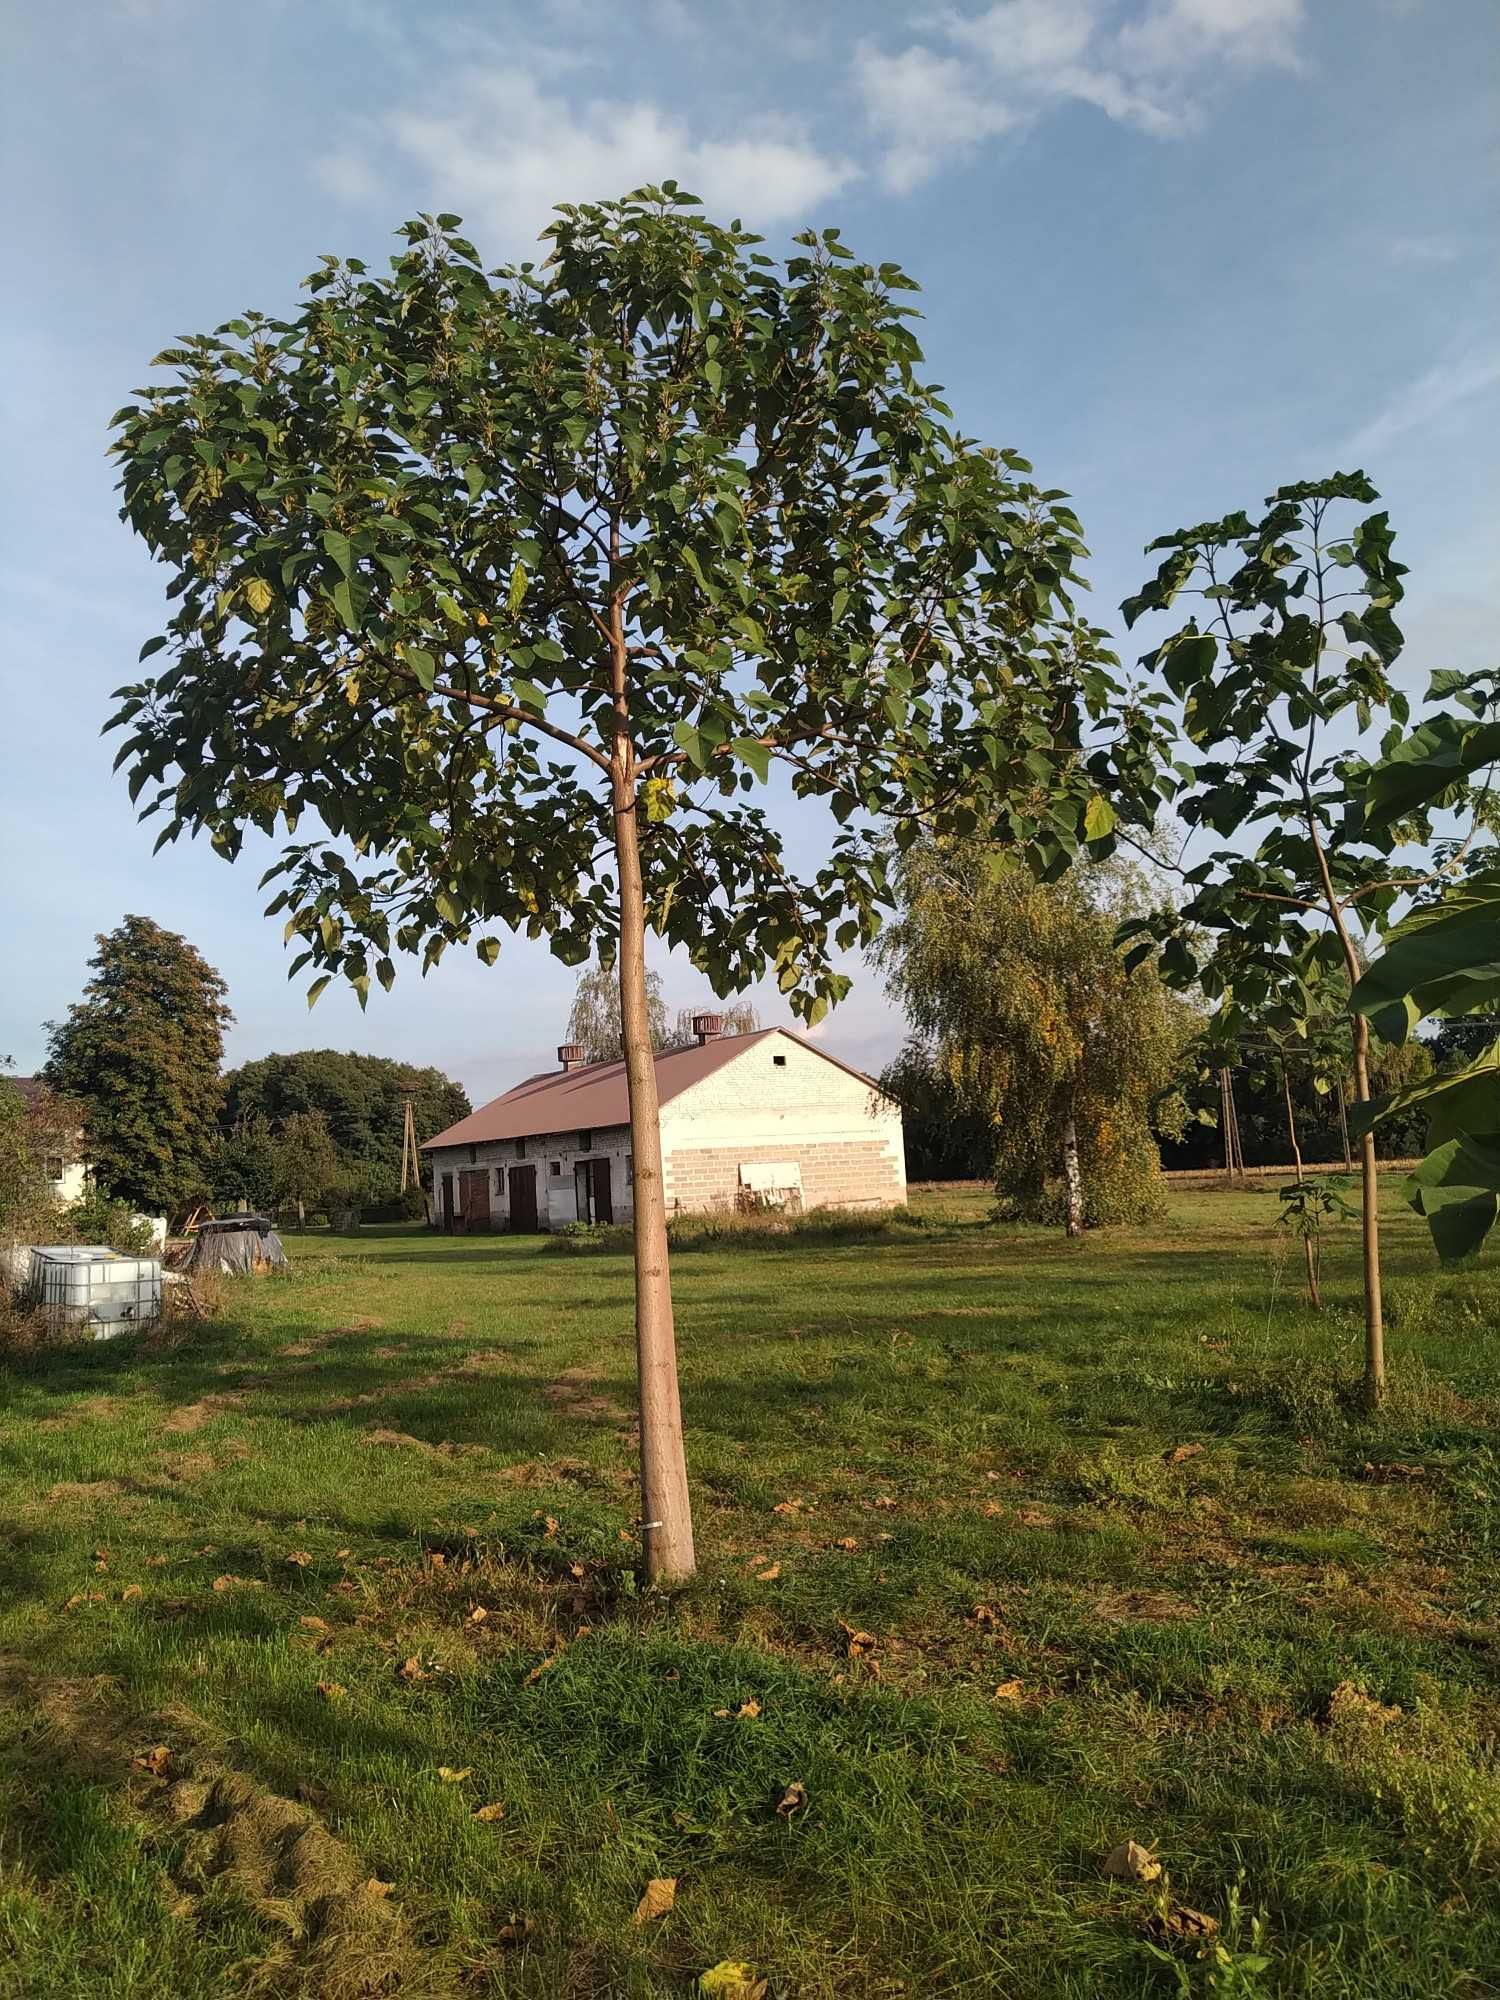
(660, 1896)
(451, 1777)
(768, 1575)
(1130, 1862)
(731, 1979)
(1009, 1691)
(258, 595)
(489, 1813)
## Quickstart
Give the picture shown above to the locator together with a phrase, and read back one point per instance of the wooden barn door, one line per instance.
(448, 1203)
(603, 1205)
(523, 1199)
(474, 1198)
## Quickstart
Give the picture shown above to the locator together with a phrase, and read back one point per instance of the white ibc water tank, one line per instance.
(91, 1286)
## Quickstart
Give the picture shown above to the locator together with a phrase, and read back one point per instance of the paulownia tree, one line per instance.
(1282, 671)
(1443, 959)
(511, 589)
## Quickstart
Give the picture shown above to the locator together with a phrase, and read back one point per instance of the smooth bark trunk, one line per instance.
(1374, 1383)
(1308, 1253)
(666, 1510)
(1072, 1178)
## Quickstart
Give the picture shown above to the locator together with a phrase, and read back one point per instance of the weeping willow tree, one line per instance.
(1017, 990)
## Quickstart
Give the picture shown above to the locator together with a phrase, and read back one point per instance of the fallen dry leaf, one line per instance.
(437, 1559)
(660, 1896)
(130, 1591)
(300, 1559)
(516, 1930)
(84, 1597)
(1181, 1453)
(731, 1979)
(1132, 1863)
(451, 1777)
(155, 1760)
(1173, 1925)
(490, 1812)
(984, 1617)
(768, 1575)
(478, 1615)
(412, 1670)
(156, 1562)
(789, 1507)
(341, 1553)
(311, 1624)
(332, 1690)
(847, 1542)
(223, 1583)
(1008, 1691)
(375, 1887)
(542, 1667)
(883, 1500)
(750, 1708)
(792, 1799)
(860, 1643)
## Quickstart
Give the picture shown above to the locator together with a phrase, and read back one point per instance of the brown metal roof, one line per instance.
(594, 1097)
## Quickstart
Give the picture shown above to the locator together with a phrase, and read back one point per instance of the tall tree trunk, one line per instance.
(1072, 1177)
(1309, 1258)
(666, 1510)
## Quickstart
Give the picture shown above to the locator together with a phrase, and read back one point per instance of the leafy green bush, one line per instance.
(97, 1219)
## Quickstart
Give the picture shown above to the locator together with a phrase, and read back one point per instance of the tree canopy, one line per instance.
(499, 596)
(141, 1054)
(359, 1097)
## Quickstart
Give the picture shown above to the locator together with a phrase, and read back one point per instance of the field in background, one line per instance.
(1012, 1549)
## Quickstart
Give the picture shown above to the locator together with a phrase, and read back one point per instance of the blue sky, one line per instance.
(1177, 251)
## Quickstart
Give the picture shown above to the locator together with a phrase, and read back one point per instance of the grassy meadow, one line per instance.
(1011, 1550)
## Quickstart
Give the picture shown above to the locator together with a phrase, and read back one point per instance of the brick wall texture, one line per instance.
(836, 1173)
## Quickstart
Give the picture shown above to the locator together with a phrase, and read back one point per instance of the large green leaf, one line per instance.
(1443, 958)
(1457, 1188)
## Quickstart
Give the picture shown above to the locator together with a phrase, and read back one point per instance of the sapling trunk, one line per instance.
(666, 1510)
(1369, 1172)
(1308, 1221)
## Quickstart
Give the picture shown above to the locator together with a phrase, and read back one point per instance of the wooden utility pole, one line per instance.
(411, 1159)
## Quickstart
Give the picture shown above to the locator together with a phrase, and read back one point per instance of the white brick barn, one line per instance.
(747, 1121)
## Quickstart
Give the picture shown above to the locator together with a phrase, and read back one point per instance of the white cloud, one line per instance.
(502, 151)
(982, 74)
(1427, 399)
(1427, 250)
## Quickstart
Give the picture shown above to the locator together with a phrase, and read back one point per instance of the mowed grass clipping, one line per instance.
(1012, 1550)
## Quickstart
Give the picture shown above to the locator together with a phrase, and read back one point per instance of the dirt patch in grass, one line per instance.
(404, 1441)
(572, 1395)
(193, 1416)
(92, 1410)
(1155, 1607)
(86, 1492)
(336, 1933)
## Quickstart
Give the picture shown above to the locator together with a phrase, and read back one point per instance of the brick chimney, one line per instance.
(571, 1056)
(708, 1027)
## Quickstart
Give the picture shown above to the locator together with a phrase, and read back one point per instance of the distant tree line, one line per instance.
(138, 1061)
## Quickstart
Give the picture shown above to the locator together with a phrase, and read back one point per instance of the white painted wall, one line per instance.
(841, 1139)
(780, 1101)
(555, 1192)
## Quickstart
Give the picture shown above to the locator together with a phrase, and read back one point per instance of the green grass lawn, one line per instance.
(372, 1529)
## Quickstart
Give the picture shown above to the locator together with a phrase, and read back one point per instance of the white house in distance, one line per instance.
(747, 1121)
(64, 1157)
